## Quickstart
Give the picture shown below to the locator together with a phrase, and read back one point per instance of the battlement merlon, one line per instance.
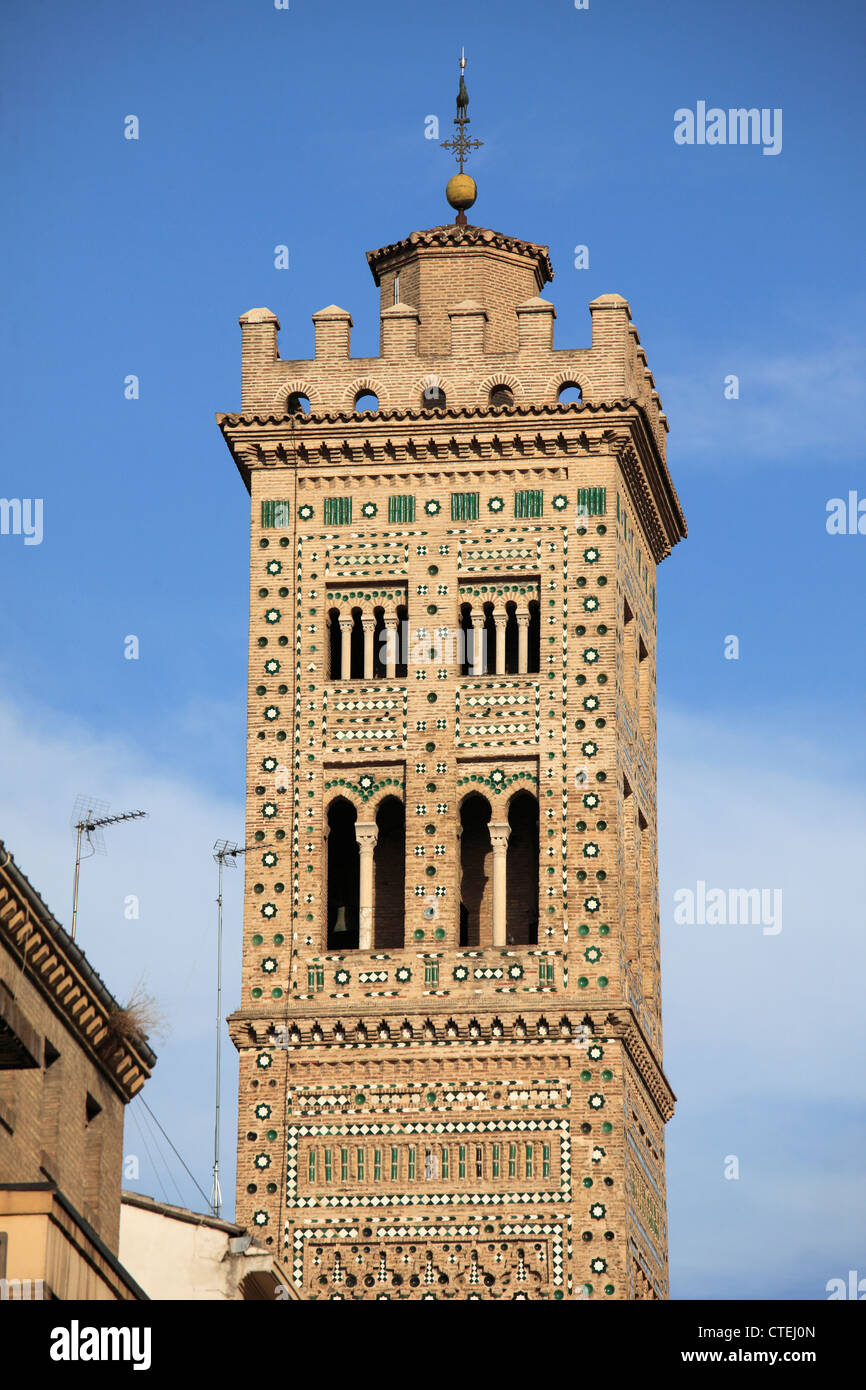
(453, 295)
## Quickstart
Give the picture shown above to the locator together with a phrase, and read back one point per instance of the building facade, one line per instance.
(69, 1065)
(450, 1035)
(181, 1255)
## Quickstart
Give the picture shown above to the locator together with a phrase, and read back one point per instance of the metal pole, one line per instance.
(75, 880)
(216, 1195)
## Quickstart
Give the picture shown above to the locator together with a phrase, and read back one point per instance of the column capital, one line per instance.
(499, 833)
(346, 624)
(368, 622)
(366, 834)
(522, 618)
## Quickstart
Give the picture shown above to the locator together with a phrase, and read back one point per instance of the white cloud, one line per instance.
(166, 862)
(795, 407)
(764, 1035)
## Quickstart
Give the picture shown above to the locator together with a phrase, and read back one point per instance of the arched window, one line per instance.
(433, 397)
(476, 870)
(379, 647)
(344, 869)
(534, 654)
(488, 664)
(366, 401)
(569, 393)
(389, 859)
(511, 641)
(357, 647)
(298, 404)
(521, 897)
(501, 396)
(334, 645)
(465, 653)
(402, 642)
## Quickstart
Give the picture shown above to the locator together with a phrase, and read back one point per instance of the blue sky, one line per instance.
(305, 127)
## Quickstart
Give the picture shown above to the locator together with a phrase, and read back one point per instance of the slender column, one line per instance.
(477, 644)
(500, 618)
(391, 648)
(522, 643)
(369, 626)
(366, 833)
(499, 832)
(345, 648)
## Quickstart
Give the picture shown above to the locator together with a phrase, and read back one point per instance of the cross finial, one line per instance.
(461, 146)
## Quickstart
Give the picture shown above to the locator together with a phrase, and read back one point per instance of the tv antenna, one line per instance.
(88, 818)
(226, 853)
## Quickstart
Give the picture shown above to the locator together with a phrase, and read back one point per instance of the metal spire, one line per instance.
(461, 144)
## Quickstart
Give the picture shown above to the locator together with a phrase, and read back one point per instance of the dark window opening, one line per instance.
(379, 643)
(488, 665)
(389, 859)
(356, 659)
(511, 640)
(569, 393)
(466, 629)
(534, 652)
(334, 645)
(476, 865)
(402, 642)
(344, 868)
(521, 912)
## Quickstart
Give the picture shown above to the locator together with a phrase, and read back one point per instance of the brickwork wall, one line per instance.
(44, 1132)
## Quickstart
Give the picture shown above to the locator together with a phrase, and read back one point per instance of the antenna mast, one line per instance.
(88, 818)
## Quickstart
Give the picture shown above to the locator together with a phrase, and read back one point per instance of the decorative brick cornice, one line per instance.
(624, 1025)
(653, 495)
(450, 235)
(51, 961)
(548, 410)
(549, 1027)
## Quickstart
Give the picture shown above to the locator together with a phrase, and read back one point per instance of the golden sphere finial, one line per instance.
(461, 191)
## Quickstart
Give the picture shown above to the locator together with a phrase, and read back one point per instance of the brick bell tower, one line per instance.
(450, 1039)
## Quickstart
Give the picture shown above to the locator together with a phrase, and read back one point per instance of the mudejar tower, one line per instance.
(450, 1038)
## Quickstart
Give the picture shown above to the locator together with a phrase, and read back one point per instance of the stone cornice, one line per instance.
(316, 1023)
(54, 965)
(451, 236)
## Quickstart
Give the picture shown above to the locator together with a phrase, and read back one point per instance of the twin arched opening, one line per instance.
(499, 873)
(366, 868)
